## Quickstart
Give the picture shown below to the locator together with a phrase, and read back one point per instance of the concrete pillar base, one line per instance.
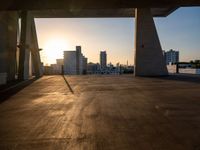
(149, 59)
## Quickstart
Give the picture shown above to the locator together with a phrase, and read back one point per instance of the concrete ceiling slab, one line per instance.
(94, 8)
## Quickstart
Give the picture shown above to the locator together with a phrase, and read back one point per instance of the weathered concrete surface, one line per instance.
(105, 112)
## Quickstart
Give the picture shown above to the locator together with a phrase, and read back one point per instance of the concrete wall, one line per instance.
(3, 78)
(8, 44)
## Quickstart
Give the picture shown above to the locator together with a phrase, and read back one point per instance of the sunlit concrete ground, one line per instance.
(103, 112)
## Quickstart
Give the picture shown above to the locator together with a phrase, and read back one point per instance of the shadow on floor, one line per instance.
(70, 88)
(10, 89)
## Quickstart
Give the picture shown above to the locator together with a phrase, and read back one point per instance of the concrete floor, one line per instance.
(103, 112)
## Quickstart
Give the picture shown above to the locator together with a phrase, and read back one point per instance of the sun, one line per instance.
(53, 49)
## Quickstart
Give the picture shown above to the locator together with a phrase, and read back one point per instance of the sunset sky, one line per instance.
(179, 31)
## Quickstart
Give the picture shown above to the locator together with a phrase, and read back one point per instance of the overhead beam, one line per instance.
(98, 13)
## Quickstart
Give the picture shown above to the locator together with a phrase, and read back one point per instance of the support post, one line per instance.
(29, 43)
(35, 51)
(149, 59)
(24, 46)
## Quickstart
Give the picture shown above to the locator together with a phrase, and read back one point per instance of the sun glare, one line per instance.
(53, 49)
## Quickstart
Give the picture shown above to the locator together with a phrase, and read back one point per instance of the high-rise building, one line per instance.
(103, 60)
(84, 65)
(78, 60)
(171, 56)
(74, 62)
(70, 62)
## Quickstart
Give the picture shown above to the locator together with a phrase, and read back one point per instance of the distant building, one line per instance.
(103, 60)
(60, 62)
(70, 62)
(85, 65)
(171, 56)
(74, 62)
(48, 70)
(56, 69)
(93, 68)
(78, 60)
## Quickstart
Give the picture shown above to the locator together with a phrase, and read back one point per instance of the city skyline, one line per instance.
(179, 31)
(106, 63)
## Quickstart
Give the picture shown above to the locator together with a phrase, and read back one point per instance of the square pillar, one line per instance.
(149, 59)
(24, 55)
(28, 45)
(37, 65)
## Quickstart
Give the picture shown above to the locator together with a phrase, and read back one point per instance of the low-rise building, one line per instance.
(48, 70)
(171, 56)
(93, 68)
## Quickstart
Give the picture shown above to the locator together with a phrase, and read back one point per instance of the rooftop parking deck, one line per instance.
(103, 112)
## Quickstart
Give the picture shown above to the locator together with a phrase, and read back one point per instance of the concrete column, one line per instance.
(24, 45)
(149, 59)
(35, 51)
(8, 44)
